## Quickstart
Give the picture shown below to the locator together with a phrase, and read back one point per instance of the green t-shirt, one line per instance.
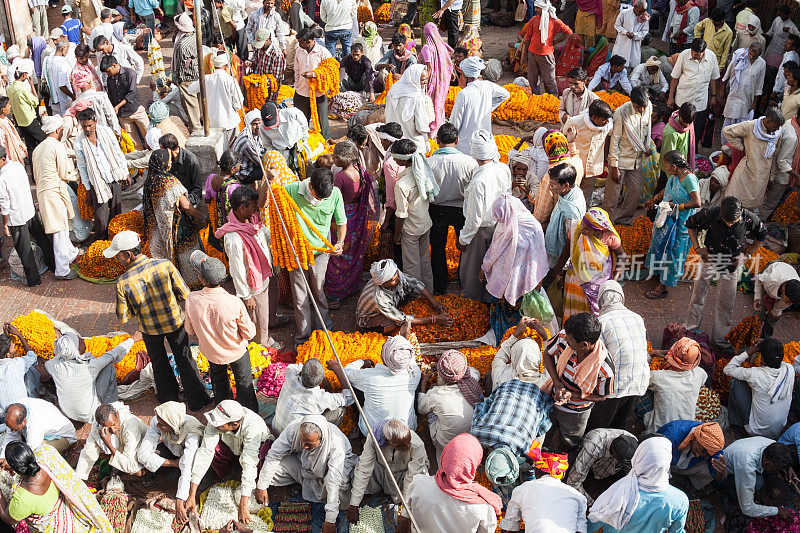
(320, 214)
(24, 504)
(672, 140)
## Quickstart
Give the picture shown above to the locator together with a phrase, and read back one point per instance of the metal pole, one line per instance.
(199, 36)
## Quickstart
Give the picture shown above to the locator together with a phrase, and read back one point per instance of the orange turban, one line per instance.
(684, 355)
(708, 435)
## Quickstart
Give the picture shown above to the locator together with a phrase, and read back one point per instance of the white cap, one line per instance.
(226, 412)
(66, 9)
(56, 33)
(122, 242)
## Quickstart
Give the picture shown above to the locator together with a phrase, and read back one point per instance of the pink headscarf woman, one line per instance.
(436, 54)
(456, 477)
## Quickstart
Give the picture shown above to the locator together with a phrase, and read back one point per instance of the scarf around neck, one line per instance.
(258, 268)
(770, 138)
(680, 128)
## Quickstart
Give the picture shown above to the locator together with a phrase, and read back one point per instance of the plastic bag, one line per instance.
(535, 304)
(664, 210)
(522, 11)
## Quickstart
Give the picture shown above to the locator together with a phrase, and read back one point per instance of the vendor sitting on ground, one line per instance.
(697, 457)
(116, 434)
(405, 454)
(518, 358)
(383, 295)
(777, 288)
(604, 453)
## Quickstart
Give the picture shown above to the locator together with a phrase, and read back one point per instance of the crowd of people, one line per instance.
(574, 432)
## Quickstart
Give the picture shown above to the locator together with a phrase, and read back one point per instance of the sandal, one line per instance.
(656, 295)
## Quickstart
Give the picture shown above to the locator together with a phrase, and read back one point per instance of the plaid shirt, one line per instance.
(269, 63)
(150, 291)
(513, 415)
(625, 337)
(595, 456)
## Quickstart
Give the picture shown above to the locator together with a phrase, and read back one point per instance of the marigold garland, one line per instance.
(745, 333)
(470, 319)
(102, 344)
(326, 82)
(130, 221)
(92, 264)
(289, 211)
(787, 212)
(285, 91)
(85, 208)
(258, 88)
(505, 143)
(613, 99)
(758, 262)
(382, 14)
(364, 13)
(38, 330)
(126, 143)
(381, 98)
(453, 254)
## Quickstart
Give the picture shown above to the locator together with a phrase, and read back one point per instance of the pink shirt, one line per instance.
(221, 323)
(306, 62)
(391, 173)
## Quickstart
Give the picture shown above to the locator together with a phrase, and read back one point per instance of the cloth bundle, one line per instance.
(346, 104)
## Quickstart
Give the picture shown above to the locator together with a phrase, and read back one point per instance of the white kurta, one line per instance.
(472, 110)
(779, 32)
(749, 181)
(436, 511)
(742, 94)
(224, 99)
(627, 47)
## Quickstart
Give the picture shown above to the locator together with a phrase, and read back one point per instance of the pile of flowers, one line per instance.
(787, 212)
(85, 208)
(453, 254)
(480, 358)
(364, 13)
(470, 319)
(381, 98)
(452, 92)
(505, 143)
(92, 264)
(790, 351)
(285, 91)
(760, 259)
(131, 221)
(524, 106)
(709, 405)
(260, 358)
(745, 333)
(657, 363)
(382, 14)
(326, 82)
(258, 87)
(636, 237)
(530, 333)
(100, 344)
(281, 251)
(39, 331)
(774, 524)
(613, 99)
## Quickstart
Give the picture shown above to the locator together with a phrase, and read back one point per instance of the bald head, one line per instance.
(16, 416)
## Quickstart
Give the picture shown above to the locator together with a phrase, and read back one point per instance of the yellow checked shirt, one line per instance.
(718, 41)
(150, 291)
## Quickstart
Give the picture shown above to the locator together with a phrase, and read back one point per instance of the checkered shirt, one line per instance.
(595, 456)
(514, 414)
(266, 63)
(150, 291)
(625, 337)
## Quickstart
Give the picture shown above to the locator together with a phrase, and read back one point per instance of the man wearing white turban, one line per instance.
(409, 105)
(224, 97)
(643, 500)
(519, 358)
(52, 169)
(490, 180)
(84, 382)
(389, 387)
(475, 103)
(388, 290)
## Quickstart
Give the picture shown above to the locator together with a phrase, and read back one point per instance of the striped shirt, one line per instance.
(150, 291)
(12, 378)
(605, 376)
(185, 65)
(376, 301)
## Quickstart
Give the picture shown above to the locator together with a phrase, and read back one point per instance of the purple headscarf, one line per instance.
(438, 53)
(38, 45)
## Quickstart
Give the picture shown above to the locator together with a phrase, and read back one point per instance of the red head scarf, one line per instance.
(460, 460)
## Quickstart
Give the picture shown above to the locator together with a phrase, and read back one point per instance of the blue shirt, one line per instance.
(143, 8)
(657, 511)
(72, 29)
(677, 431)
(12, 379)
(792, 436)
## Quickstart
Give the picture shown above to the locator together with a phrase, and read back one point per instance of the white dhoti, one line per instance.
(64, 252)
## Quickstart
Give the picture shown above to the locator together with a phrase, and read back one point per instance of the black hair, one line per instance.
(687, 112)
(357, 133)
(5, 344)
(730, 209)
(357, 47)
(791, 64)
(305, 34)
(578, 73)
(784, 9)
(316, 31)
(19, 74)
(639, 96)
(99, 41)
(584, 327)
(398, 38)
(461, 50)
(717, 15)
(771, 352)
(104, 413)
(216, 39)
(229, 160)
(242, 197)
(795, 72)
(791, 289)
(404, 147)
(776, 453)
(775, 115)
(82, 50)
(447, 134)
(624, 447)
(564, 174)
(322, 182)
(135, 251)
(617, 61)
(601, 109)
(392, 128)
(674, 157)
(168, 141)
(107, 62)
(86, 114)
(698, 45)
(21, 459)
(3, 101)
(795, 41)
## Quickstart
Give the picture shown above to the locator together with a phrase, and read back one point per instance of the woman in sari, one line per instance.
(48, 497)
(217, 193)
(405, 30)
(471, 40)
(594, 252)
(436, 54)
(670, 243)
(173, 223)
(558, 151)
(360, 195)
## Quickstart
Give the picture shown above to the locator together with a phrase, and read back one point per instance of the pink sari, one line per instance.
(437, 53)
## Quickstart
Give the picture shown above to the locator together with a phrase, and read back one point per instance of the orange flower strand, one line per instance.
(38, 330)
